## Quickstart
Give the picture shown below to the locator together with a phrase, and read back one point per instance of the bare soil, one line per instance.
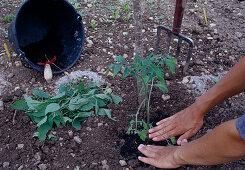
(104, 142)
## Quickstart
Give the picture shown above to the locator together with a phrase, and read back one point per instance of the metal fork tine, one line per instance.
(158, 40)
(168, 42)
(178, 48)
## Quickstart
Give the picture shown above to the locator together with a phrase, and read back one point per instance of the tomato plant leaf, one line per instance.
(44, 120)
(20, 105)
(116, 70)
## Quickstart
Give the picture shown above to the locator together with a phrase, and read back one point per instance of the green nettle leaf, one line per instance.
(41, 110)
(103, 96)
(40, 94)
(93, 85)
(127, 71)
(52, 137)
(76, 124)
(77, 102)
(43, 130)
(116, 70)
(36, 134)
(105, 112)
(53, 107)
(59, 95)
(116, 99)
(84, 114)
(67, 119)
(20, 105)
(101, 103)
(119, 59)
(31, 103)
(42, 121)
(87, 107)
(162, 87)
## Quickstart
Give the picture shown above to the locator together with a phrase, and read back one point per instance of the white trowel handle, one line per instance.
(48, 75)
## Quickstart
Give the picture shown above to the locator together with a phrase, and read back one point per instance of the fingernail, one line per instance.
(155, 138)
(157, 123)
(150, 135)
(141, 146)
(184, 140)
(139, 157)
(150, 130)
(178, 142)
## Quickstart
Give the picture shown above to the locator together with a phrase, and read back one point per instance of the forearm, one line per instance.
(221, 145)
(231, 84)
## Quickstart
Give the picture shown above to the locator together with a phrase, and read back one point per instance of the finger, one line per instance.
(163, 131)
(165, 136)
(154, 148)
(186, 136)
(159, 127)
(165, 120)
(150, 161)
(144, 150)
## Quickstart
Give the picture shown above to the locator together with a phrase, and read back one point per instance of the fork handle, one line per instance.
(178, 15)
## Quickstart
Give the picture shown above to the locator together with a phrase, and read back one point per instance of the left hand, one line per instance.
(159, 156)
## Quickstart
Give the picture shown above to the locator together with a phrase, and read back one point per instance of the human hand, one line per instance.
(159, 156)
(186, 122)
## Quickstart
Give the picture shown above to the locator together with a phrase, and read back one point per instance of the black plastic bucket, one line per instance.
(46, 28)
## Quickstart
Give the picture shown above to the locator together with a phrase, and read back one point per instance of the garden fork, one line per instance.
(178, 16)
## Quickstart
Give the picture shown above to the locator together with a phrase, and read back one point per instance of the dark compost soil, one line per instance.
(104, 142)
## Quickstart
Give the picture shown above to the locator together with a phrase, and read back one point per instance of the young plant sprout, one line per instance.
(149, 71)
(115, 15)
(94, 24)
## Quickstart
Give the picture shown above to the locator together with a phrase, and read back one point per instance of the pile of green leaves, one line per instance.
(73, 104)
(149, 72)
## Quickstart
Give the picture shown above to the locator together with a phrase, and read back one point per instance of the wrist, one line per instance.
(178, 157)
(201, 106)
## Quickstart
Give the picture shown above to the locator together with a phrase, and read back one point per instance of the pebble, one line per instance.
(215, 31)
(199, 62)
(70, 133)
(212, 25)
(10, 75)
(143, 30)
(151, 18)
(89, 5)
(123, 162)
(100, 124)
(185, 80)
(192, 10)
(125, 33)
(20, 167)
(17, 63)
(238, 34)
(88, 129)
(1, 105)
(154, 30)
(125, 56)
(104, 50)
(77, 139)
(73, 155)
(42, 166)
(20, 146)
(37, 156)
(210, 38)
(5, 164)
(165, 97)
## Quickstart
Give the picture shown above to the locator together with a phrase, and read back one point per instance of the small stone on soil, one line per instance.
(20, 146)
(165, 97)
(185, 80)
(5, 164)
(123, 162)
(77, 139)
(42, 166)
(1, 105)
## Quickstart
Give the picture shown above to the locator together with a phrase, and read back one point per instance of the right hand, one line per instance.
(187, 122)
